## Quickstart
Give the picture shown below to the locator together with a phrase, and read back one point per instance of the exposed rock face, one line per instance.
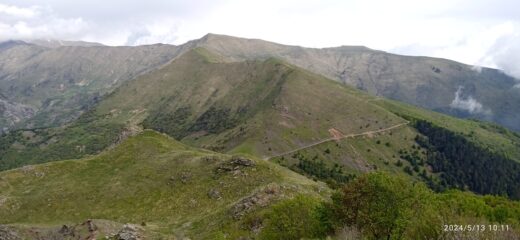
(239, 161)
(214, 194)
(129, 232)
(235, 164)
(86, 230)
(259, 199)
(186, 177)
(7, 233)
(12, 113)
(66, 230)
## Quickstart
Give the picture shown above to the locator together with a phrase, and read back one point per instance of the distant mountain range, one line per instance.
(57, 80)
(264, 108)
(436, 84)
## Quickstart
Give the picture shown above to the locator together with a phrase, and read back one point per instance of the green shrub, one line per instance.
(386, 207)
(295, 218)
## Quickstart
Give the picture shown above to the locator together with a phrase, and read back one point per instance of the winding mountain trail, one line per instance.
(336, 138)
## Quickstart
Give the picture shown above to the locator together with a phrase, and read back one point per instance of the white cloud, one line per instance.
(162, 30)
(476, 68)
(468, 103)
(505, 53)
(37, 22)
(15, 11)
(472, 48)
(497, 46)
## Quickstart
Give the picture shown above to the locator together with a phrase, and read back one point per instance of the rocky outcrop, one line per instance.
(86, 230)
(234, 164)
(262, 198)
(12, 113)
(128, 232)
(8, 233)
(214, 194)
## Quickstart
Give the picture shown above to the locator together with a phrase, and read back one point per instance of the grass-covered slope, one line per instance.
(267, 109)
(276, 110)
(162, 189)
(256, 107)
(153, 180)
(430, 83)
(261, 108)
(443, 151)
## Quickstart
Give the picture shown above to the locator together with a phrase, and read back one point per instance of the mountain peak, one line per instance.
(52, 43)
(213, 37)
(352, 48)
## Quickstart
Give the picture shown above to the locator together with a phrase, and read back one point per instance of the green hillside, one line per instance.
(267, 109)
(261, 108)
(256, 142)
(429, 83)
(171, 188)
(256, 107)
(154, 187)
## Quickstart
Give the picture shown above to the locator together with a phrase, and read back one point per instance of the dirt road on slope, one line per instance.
(335, 137)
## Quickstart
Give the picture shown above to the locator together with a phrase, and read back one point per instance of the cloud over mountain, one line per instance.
(468, 103)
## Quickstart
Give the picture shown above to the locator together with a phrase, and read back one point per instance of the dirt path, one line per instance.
(336, 134)
(336, 138)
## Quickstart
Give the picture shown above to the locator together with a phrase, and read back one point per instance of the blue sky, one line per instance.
(480, 32)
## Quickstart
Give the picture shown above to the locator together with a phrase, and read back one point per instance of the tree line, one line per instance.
(465, 165)
(378, 205)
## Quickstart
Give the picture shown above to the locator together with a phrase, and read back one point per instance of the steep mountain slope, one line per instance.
(238, 105)
(268, 109)
(11, 113)
(261, 108)
(436, 84)
(59, 83)
(441, 150)
(165, 187)
(60, 79)
(272, 109)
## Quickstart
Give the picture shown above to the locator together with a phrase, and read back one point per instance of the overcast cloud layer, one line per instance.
(481, 32)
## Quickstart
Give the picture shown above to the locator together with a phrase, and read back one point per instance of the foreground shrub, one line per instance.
(295, 218)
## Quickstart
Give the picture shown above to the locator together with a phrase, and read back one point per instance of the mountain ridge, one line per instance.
(436, 84)
(423, 81)
(260, 108)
